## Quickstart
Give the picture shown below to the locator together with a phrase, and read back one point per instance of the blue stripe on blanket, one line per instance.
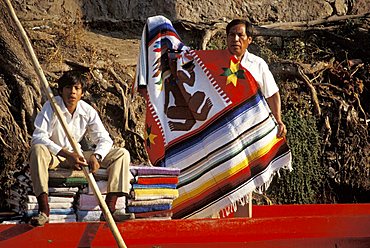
(160, 29)
(151, 208)
(190, 146)
(31, 213)
(154, 186)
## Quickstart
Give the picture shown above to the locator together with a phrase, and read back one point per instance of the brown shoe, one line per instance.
(39, 220)
(118, 216)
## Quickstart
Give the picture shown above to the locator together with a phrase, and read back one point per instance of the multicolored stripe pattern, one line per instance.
(222, 157)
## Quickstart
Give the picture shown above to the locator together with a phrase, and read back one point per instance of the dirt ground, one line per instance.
(124, 51)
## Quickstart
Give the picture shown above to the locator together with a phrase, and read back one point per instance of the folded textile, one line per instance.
(101, 174)
(67, 182)
(151, 194)
(31, 213)
(150, 208)
(52, 205)
(156, 214)
(63, 194)
(52, 199)
(63, 189)
(62, 216)
(62, 220)
(90, 202)
(65, 173)
(153, 186)
(156, 179)
(102, 185)
(88, 215)
(149, 202)
(150, 170)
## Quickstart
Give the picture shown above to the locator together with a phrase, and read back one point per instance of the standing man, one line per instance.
(51, 148)
(239, 37)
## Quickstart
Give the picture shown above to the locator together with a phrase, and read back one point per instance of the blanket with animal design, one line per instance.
(205, 116)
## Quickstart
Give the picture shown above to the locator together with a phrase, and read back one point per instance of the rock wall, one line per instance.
(258, 11)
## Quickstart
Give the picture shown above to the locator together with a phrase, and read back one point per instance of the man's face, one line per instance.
(238, 41)
(71, 94)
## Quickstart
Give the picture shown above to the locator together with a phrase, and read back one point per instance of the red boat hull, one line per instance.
(338, 225)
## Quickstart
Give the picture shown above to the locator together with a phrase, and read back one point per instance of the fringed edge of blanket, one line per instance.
(241, 197)
(244, 199)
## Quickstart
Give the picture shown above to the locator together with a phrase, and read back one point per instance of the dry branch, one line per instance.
(313, 91)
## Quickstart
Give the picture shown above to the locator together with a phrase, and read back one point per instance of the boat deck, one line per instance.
(336, 225)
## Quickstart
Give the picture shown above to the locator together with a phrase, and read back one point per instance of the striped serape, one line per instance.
(152, 194)
(208, 119)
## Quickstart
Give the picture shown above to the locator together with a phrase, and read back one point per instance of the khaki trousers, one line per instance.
(116, 162)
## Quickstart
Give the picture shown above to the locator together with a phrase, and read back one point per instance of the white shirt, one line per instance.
(261, 73)
(49, 131)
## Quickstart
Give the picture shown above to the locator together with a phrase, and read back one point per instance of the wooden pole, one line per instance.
(45, 85)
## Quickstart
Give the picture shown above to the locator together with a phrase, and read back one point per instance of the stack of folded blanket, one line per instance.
(61, 208)
(87, 207)
(153, 191)
(18, 193)
(62, 192)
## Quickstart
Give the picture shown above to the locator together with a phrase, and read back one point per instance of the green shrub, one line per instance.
(304, 183)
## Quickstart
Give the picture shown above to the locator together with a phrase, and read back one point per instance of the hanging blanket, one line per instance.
(205, 116)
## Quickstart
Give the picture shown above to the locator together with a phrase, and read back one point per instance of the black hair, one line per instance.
(248, 26)
(72, 77)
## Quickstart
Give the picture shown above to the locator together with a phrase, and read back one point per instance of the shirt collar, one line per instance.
(79, 109)
(246, 57)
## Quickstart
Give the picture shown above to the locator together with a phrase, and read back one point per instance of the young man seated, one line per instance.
(51, 148)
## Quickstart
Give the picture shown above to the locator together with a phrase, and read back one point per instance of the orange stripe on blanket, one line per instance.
(157, 180)
(231, 179)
